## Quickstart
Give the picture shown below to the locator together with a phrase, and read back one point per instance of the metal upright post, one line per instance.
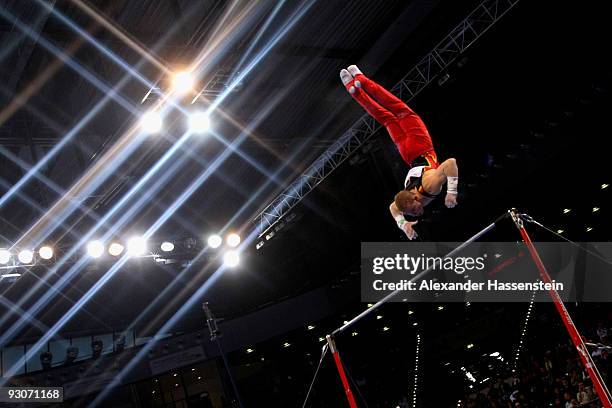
(215, 333)
(347, 388)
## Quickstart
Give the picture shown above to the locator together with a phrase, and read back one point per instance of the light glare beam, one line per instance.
(43, 179)
(262, 54)
(13, 309)
(259, 34)
(88, 37)
(67, 59)
(33, 204)
(121, 35)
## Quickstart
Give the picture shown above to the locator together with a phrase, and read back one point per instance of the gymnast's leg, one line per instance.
(385, 98)
(382, 115)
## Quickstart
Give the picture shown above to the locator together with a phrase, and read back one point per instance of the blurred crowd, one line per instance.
(553, 377)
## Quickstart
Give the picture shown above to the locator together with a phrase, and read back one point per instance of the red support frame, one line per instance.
(583, 352)
(347, 388)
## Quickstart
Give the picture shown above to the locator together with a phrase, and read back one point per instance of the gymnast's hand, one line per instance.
(451, 200)
(408, 230)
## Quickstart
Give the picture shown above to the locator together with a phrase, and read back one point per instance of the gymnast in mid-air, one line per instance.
(426, 176)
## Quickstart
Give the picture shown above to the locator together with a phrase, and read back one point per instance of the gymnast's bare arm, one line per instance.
(404, 225)
(446, 173)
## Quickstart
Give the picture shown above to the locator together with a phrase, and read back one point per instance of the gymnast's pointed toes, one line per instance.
(345, 77)
(354, 70)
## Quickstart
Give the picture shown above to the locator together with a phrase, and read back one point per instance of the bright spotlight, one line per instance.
(5, 256)
(26, 256)
(233, 240)
(199, 122)
(183, 82)
(167, 246)
(95, 249)
(136, 246)
(215, 241)
(231, 259)
(46, 252)
(151, 122)
(115, 249)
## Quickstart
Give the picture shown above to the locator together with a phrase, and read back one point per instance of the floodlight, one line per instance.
(183, 82)
(115, 249)
(136, 246)
(167, 246)
(231, 259)
(95, 249)
(26, 256)
(151, 122)
(5, 256)
(46, 252)
(233, 240)
(215, 241)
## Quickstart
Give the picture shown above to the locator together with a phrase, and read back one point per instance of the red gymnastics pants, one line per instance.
(405, 127)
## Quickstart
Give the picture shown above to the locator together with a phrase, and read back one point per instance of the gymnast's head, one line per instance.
(408, 202)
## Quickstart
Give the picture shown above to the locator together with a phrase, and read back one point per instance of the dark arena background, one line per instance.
(185, 186)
